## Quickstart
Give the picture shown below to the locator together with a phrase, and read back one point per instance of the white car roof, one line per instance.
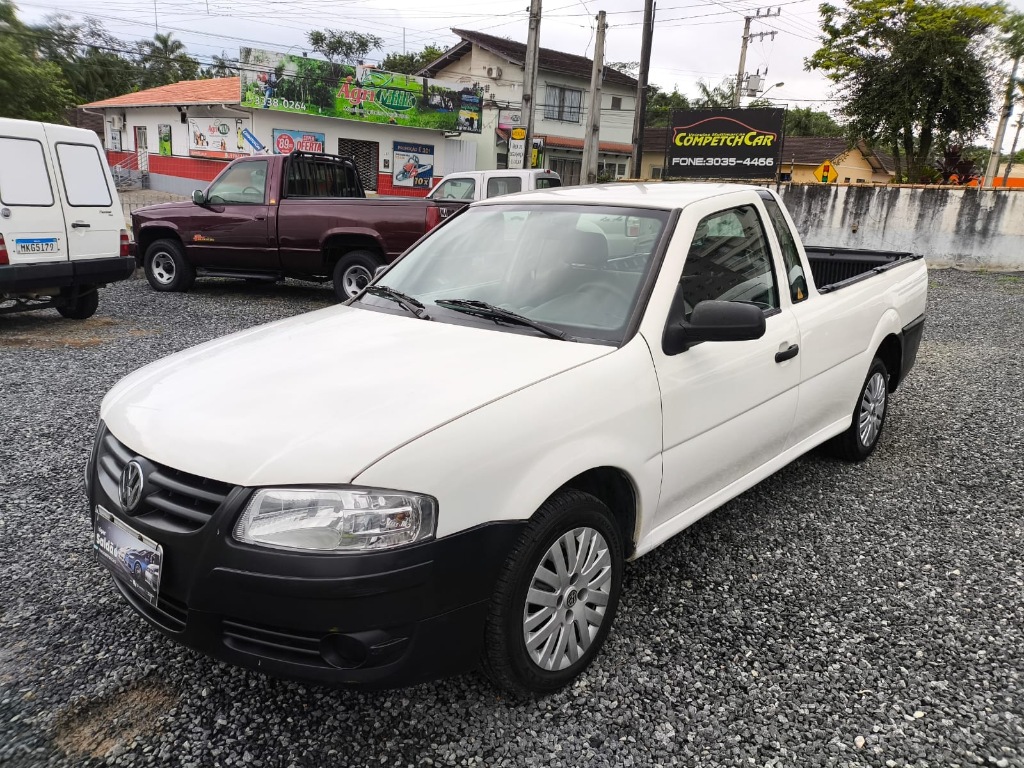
(664, 195)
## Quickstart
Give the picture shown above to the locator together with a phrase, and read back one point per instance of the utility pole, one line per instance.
(640, 117)
(741, 72)
(1004, 118)
(156, 19)
(591, 136)
(1013, 151)
(530, 79)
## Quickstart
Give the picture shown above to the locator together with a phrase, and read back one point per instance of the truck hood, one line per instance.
(319, 397)
(158, 210)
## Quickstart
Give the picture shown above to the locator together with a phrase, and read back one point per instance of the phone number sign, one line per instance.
(724, 144)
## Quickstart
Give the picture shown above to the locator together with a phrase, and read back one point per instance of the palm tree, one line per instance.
(164, 47)
(165, 60)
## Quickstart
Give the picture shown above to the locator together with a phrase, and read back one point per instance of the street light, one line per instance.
(777, 85)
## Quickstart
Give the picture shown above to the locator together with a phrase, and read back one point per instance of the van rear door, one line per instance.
(92, 212)
(31, 217)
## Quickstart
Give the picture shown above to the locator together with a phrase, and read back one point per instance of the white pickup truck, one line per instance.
(453, 467)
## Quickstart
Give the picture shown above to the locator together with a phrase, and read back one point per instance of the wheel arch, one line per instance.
(890, 351)
(153, 232)
(615, 488)
(336, 244)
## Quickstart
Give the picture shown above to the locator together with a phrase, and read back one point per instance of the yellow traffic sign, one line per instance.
(826, 173)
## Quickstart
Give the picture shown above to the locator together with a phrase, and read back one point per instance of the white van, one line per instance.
(61, 225)
(478, 185)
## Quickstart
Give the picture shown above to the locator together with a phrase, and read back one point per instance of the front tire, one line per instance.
(859, 441)
(82, 306)
(166, 267)
(556, 597)
(353, 272)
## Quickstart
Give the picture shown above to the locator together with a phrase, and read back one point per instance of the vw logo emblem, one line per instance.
(571, 598)
(130, 487)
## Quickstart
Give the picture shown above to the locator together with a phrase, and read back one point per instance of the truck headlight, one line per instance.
(336, 519)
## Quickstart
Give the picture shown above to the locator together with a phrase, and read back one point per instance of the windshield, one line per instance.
(576, 268)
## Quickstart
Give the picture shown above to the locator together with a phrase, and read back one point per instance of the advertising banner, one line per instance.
(516, 147)
(724, 143)
(164, 135)
(286, 141)
(286, 83)
(218, 138)
(414, 165)
(509, 119)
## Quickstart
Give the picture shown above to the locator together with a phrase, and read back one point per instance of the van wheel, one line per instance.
(353, 272)
(556, 597)
(82, 306)
(166, 267)
(859, 441)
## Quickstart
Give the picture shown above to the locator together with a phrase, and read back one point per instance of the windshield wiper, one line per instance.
(403, 300)
(498, 314)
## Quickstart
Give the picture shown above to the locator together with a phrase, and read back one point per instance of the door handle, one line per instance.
(79, 224)
(260, 218)
(787, 354)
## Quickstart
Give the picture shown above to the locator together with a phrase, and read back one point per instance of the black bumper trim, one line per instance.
(326, 587)
(912, 333)
(24, 278)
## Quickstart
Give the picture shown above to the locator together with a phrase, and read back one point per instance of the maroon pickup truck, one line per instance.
(303, 215)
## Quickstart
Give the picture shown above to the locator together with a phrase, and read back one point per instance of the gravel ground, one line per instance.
(867, 615)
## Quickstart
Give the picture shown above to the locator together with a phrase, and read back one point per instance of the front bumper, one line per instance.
(377, 619)
(26, 278)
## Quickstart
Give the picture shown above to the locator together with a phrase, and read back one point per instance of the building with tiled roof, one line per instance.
(563, 88)
(220, 90)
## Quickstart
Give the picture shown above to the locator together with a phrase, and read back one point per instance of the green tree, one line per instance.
(30, 88)
(344, 47)
(910, 72)
(808, 122)
(411, 63)
(714, 97)
(165, 60)
(661, 104)
(92, 60)
(220, 66)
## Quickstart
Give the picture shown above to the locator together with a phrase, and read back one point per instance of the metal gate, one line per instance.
(366, 154)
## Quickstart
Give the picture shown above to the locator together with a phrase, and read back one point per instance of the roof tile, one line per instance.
(219, 90)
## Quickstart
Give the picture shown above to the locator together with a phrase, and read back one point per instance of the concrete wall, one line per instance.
(951, 227)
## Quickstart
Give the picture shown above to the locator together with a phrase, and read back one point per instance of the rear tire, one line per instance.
(556, 597)
(166, 267)
(83, 305)
(859, 441)
(353, 272)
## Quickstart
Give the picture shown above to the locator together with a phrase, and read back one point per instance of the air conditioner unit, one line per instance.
(490, 71)
(117, 123)
(497, 73)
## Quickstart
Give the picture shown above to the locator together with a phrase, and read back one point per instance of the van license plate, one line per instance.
(133, 558)
(36, 245)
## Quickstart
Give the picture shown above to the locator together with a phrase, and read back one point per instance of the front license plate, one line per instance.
(133, 558)
(36, 245)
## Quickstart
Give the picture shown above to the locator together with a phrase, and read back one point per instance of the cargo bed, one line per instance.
(835, 268)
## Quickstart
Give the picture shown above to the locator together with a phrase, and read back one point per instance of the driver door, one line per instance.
(232, 230)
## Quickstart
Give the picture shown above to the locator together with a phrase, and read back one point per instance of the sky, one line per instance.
(693, 39)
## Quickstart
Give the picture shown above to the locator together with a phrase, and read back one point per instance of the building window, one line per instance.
(568, 170)
(502, 160)
(562, 103)
(616, 102)
(365, 154)
(655, 172)
(620, 170)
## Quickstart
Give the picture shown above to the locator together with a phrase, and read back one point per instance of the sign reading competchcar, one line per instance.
(724, 144)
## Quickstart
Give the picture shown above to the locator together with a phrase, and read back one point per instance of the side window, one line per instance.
(242, 183)
(729, 260)
(85, 178)
(455, 189)
(497, 186)
(548, 182)
(24, 179)
(790, 254)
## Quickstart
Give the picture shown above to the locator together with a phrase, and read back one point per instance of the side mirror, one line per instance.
(714, 321)
(380, 271)
(198, 197)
